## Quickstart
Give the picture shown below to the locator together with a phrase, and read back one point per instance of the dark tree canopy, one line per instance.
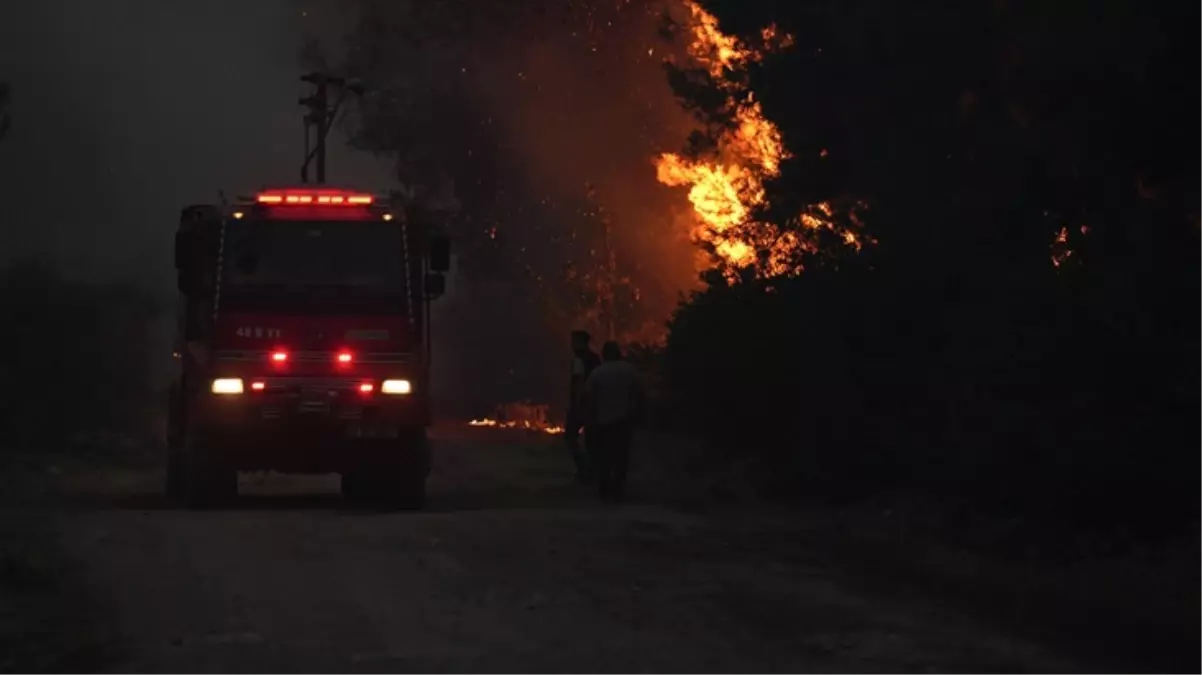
(1019, 117)
(1026, 330)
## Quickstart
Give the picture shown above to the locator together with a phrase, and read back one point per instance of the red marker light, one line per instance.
(279, 357)
(270, 199)
(366, 388)
(258, 386)
(359, 199)
(345, 357)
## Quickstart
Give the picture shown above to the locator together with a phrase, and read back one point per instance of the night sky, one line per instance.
(124, 111)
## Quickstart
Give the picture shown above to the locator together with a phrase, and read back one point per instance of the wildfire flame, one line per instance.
(727, 188)
(520, 415)
(1061, 246)
(490, 422)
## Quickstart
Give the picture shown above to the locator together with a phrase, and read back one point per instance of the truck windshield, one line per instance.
(336, 261)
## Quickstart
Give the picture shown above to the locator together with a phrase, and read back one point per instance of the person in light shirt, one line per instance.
(614, 401)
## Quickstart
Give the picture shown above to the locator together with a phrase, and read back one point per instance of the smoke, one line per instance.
(539, 120)
(543, 120)
(589, 107)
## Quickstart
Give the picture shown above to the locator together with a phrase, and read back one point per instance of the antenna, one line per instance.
(321, 117)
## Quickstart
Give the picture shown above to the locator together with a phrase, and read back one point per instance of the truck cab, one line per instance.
(303, 345)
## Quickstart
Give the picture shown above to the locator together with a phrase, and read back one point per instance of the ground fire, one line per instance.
(522, 415)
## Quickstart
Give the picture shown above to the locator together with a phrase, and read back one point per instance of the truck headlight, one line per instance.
(396, 387)
(227, 385)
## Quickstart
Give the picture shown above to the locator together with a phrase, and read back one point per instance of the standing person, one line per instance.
(584, 361)
(615, 401)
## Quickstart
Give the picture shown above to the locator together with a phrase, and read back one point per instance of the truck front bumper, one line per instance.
(297, 436)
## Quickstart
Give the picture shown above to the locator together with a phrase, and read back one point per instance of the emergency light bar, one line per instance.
(308, 198)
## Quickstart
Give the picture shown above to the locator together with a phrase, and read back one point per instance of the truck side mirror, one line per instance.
(440, 253)
(185, 281)
(183, 250)
(436, 285)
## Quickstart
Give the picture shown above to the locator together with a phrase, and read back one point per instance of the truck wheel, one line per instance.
(408, 488)
(175, 468)
(205, 484)
(175, 471)
(355, 486)
(389, 487)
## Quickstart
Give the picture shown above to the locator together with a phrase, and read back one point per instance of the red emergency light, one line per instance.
(308, 198)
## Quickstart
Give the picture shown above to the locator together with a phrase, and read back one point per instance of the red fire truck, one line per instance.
(303, 341)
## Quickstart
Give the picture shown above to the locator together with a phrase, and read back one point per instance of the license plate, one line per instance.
(314, 400)
(313, 407)
(371, 431)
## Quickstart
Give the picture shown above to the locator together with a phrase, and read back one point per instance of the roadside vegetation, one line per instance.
(78, 384)
(1018, 336)
(1009, 363)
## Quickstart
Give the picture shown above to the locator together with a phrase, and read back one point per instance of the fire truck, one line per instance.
(303, 343)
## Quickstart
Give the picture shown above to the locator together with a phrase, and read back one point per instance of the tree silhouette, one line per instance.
(1038, 249)
(584, 265)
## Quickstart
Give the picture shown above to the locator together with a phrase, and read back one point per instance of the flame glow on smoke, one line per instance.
(727, 187)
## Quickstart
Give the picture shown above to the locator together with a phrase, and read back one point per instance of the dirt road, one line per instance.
(510, 568)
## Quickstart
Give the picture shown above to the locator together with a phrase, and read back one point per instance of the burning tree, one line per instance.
(728, 165)
(545, 155)
(983, 135)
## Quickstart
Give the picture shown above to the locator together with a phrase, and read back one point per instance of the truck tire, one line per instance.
(175, 471)
(408, 479)
(407, 489)
(399, 484)
(174, 480)
(356, 486)
(205, 484)
(385, 487)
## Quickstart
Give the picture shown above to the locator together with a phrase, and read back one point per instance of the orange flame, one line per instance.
(519, 416)
(490, 422)
(1061, 247)
(726, 189)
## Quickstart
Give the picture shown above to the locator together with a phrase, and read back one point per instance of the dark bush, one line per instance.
(1049, 397)
(77, 357)
(953, 358)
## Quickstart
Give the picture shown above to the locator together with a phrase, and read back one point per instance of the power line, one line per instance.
(321, 117)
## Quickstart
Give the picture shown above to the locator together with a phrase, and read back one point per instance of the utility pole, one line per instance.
(321, 117)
